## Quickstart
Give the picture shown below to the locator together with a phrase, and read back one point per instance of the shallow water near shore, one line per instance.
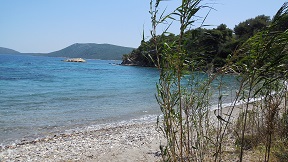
(42, 96)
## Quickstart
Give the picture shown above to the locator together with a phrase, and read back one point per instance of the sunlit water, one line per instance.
(41, 96)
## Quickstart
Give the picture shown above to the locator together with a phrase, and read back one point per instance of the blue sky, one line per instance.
(50, 25)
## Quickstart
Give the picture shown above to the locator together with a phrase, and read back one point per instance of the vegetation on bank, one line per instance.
(259, 59)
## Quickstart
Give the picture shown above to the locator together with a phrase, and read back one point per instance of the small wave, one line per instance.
(140, 120)
(81, 129)
(237, 103)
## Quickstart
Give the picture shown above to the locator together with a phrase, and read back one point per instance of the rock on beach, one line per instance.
(75, 60)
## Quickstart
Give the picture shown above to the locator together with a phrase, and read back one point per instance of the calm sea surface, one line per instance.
(41, 96)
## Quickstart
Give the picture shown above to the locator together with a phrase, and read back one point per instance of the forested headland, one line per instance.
(209, 46)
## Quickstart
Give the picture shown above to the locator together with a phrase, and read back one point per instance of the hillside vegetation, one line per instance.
(209, 46)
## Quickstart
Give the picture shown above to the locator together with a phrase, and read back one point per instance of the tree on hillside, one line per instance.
(145, 54)
(280, 20)
(248, 28)
(210, 45)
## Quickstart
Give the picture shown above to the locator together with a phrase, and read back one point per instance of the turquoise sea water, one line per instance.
(41, 96)
(44, 94)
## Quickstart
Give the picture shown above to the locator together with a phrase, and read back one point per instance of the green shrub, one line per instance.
(280, 150)
(249, 142)
(284, 125)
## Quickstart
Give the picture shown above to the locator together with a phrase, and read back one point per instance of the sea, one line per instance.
(43, 96)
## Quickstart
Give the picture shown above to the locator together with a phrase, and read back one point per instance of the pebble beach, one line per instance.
(127, 142)
(135, 142)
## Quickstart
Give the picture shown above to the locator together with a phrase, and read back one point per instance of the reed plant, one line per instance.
(191, 130)
(262, 65)
(183, 91)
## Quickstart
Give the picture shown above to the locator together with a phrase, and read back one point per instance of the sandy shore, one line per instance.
(137, 142)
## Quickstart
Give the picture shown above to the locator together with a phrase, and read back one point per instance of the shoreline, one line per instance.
(79, 128)
(137, 139)
(139, 142)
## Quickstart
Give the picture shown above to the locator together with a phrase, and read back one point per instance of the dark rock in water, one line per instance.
(75, 60)
(128, 62)
(131, 62)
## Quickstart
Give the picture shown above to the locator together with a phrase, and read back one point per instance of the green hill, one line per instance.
(92, 51)
(8, 51)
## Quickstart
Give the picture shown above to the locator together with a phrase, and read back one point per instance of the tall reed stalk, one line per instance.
(183, 91)
(262, 62)
(182, 99)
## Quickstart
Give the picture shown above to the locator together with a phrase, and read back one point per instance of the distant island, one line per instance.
(92, 51)
(83, 50)
(8, 51)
